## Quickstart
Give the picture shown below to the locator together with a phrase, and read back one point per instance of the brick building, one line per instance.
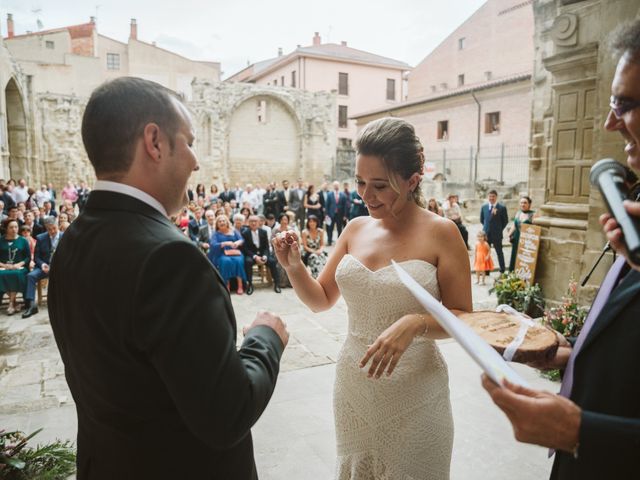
(470, 98)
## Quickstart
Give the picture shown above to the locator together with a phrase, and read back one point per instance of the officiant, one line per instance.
(594, 423)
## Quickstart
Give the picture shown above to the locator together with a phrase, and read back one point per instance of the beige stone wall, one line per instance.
(573, 72)
(498, 38)
(298, 138)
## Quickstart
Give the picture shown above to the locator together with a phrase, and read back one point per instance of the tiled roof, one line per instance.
(518, 77)
(75, 31)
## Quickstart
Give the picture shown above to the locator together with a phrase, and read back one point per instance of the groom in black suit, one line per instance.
(147, 334)
(594, 424)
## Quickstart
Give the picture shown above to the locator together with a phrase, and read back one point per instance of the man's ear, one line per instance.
(151, 137)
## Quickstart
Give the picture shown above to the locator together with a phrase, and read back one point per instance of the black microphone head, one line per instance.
(602, 166)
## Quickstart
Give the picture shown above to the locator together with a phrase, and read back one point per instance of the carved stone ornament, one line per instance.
(565, 30)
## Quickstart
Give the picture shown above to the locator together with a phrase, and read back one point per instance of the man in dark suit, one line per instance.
(270, 201)
(494, 219)
(144, 324)
(256, 251)
(323, 195)
(336, 211)
(594, 424)
(226, 195)
(283, 197)
(196, 223)
(46, 244)
(206, 231)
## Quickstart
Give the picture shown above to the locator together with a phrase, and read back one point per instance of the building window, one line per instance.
(113, 61)
(461, 79)
(433, 88)
(282, 80)
(443, 130)
(492, 122)
(49, 44)
(343, 84)
(293, 78)
(443, 85)
(262, 111)
(391, 89)
(461, 43)
(488, 75)
(275, 82)
(342, 116)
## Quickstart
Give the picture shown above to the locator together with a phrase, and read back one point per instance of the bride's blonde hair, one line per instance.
(394, 141)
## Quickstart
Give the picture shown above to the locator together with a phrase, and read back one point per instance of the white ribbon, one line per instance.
(525, 323)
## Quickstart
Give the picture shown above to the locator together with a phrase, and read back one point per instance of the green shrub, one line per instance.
(512, 290)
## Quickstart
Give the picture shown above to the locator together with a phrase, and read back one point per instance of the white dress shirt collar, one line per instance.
(108, 186)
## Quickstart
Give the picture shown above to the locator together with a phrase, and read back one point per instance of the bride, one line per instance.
(391, 394)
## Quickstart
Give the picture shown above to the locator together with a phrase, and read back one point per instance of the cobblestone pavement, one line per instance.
(295, 437)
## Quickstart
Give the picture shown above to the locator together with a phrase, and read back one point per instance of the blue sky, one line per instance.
(235, 32)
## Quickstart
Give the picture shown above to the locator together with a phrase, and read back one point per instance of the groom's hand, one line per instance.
(271, 321)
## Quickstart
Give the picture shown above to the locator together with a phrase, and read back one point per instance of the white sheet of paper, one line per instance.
(484, 355)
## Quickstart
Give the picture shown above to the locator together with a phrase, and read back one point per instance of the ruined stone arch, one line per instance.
(17, 141)
(264, 139)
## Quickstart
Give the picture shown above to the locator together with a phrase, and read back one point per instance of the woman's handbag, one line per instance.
(232, 252)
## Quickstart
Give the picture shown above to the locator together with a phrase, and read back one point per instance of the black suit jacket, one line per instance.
(606, 386)
(250, 248)
(227, 196)
(148, 339)
(494, 225)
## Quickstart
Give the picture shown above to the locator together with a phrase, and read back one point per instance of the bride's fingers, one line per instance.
(377, 358)
(383, 364)
(394, 362)
(370, 351)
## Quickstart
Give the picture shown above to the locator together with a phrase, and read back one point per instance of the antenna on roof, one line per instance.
(39, 24)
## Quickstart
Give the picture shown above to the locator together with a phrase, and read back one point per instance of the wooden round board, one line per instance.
(499, 330)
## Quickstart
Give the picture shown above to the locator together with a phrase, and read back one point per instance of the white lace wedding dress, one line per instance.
(398, 427)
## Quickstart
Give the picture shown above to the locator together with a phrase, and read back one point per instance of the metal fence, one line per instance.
(506, 164)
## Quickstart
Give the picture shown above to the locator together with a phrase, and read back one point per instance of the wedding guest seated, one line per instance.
(14, 263)
(27, 233)
(256, 251)
(313, 254)
(225, 253)
(46, 244)
(434, 206)
(34, 227)
(239, 222)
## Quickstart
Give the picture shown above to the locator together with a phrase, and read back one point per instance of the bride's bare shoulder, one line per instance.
(443, 227)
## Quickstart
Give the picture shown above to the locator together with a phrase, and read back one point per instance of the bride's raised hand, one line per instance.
(287, 248)
(391, 344)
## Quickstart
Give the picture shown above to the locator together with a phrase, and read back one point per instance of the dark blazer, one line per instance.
(43, 251)
(606, 386)
(336, 210)
(194, 227)
(227, 196)
(147, 335)
(493, 225)
(271, 203)
(281, 203)
(250, 248)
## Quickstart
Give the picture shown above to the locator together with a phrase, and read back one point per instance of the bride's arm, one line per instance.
(320, 294)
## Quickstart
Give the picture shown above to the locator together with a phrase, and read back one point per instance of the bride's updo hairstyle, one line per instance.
(394, 141)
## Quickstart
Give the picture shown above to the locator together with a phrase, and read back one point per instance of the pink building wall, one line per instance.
(498, 38)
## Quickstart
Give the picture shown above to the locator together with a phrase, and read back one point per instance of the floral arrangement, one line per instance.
(512, 290)
(54, 461)
(568, 318)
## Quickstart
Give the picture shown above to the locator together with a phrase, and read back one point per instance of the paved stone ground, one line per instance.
(294, 439)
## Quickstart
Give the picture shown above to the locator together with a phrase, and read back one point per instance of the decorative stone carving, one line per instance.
(565, 30)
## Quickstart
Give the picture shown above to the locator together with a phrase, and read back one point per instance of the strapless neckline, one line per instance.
(411, 260)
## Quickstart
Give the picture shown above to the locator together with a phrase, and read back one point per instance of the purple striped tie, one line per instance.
(610, 281)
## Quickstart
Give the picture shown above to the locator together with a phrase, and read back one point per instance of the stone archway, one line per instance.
(17, 132)
(264, 141)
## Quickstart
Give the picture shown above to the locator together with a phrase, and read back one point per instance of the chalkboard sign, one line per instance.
(527, 256)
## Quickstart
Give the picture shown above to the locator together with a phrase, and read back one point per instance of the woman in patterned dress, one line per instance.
(313, 255)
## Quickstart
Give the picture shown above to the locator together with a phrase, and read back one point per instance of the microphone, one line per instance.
(609, 176)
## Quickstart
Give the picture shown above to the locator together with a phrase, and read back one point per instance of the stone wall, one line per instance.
(572, 76)
(296, 139)
(294, 136)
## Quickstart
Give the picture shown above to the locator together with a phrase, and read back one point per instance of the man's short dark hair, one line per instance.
(115, 118)
(493, 192)
(627, 40)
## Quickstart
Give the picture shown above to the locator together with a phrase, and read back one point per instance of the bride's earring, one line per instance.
(410, 195)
